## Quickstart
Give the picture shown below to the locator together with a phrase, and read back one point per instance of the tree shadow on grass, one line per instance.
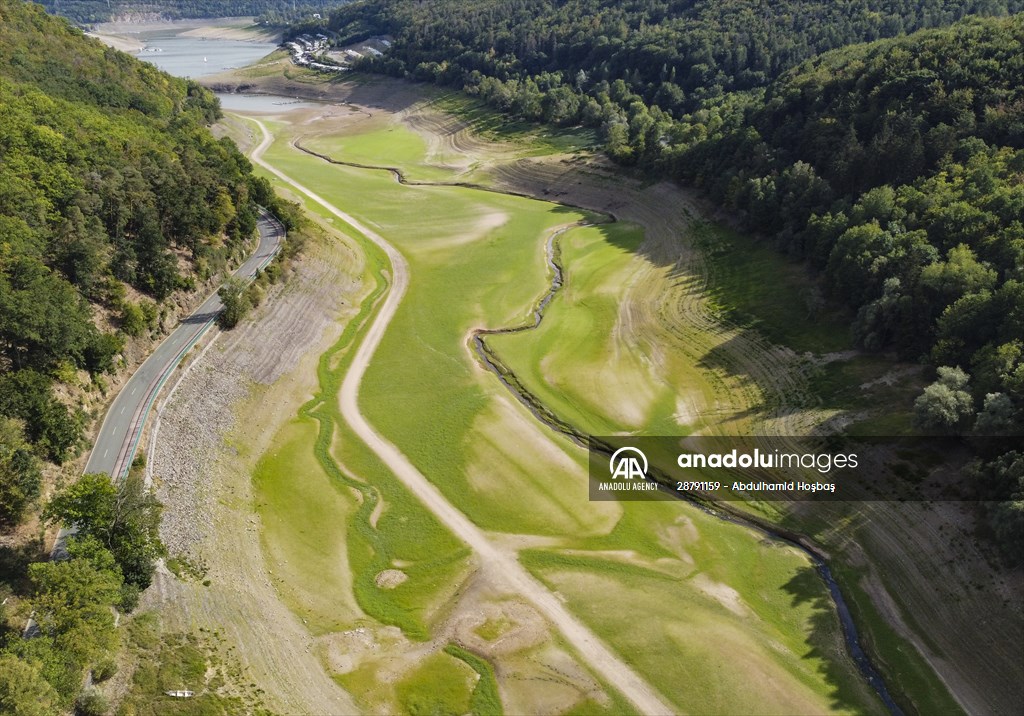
(740, 347)
(14, 561)
(824, 640)
(761, 368)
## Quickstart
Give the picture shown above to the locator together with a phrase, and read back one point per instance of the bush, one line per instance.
(273, 272)
(945, 406)
(91, 703)
(20, 477)
(253, 295)
(149, 313)
(28, 396)
(132, 319)
(104, 670)
(129, 598)
(234, 297)
(99, 354)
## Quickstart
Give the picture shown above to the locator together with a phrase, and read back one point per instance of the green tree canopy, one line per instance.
(108, 174)
(72, 601)
(23, 690)
(124, 519)
(19, 471)
(945, 405)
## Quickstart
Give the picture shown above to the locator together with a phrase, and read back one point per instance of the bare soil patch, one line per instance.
(390, 578)
(123, 43)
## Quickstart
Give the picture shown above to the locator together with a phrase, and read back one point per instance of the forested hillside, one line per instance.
(109, 180)
(672, 53)
(114, 196)
(893, 167)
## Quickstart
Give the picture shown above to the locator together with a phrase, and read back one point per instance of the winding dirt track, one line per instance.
(500, 565)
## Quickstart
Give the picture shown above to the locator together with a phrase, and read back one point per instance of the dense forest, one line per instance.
(109, 179)
(114, 195)
(94, 11)
(675, 54)
(894, 167)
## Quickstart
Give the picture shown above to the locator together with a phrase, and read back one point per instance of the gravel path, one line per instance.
(503, 566)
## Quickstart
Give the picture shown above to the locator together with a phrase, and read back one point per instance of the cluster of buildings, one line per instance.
(313, 52)
(306, 50)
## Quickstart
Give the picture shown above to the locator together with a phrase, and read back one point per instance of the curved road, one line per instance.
(119, 434)
(503, 565)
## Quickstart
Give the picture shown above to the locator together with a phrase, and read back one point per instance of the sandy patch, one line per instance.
(721, 593)
(554, 684)
(627, 386)
(486, 222)
(677, 537)
(131, 45)
(390, 578)
(242, 32)
(346, 651)
(686, 411)
(519, 627)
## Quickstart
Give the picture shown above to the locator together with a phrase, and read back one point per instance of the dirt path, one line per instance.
(503, 567)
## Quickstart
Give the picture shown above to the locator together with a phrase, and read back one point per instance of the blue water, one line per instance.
(194, 58)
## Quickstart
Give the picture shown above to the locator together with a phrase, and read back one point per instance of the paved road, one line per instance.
(502, 565)
(119, 435)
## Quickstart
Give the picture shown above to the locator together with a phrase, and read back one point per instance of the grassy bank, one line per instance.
(477, 260)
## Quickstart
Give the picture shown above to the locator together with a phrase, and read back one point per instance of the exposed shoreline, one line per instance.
(131, 37)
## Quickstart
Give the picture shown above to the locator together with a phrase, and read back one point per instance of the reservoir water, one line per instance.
(195, 57)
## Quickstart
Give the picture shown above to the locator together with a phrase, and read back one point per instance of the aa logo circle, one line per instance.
(628, 463)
